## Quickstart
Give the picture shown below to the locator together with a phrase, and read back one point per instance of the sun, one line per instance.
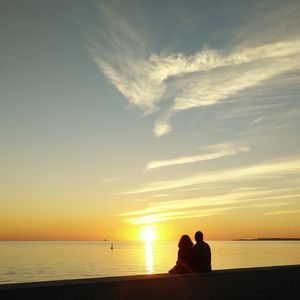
(148, 234)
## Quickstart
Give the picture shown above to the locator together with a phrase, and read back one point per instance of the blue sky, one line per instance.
(132, 113)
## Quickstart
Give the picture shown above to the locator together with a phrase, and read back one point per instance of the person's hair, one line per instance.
(198, 236)
(185, 242)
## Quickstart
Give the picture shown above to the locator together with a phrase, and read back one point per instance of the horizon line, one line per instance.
(135, 240)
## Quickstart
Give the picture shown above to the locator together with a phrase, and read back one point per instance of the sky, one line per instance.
(174, 115)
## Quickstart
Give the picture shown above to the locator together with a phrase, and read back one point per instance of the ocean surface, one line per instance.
(40, 261)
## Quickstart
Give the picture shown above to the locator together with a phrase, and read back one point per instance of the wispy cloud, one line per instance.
(121, 55)
(109, 180)
(254, 64)
(213, 205)
(205, 78)
(254, 109)
(160, 195)
(267, 170)
(210, 88)
(221, 151)
(258, 120)
(242, 196)
(283, 212)
(266, 205)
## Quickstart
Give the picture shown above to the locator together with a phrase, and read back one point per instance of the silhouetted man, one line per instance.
(201, 254)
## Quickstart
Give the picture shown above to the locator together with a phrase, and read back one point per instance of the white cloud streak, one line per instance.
(213, 205)
(267, 170)
(283, 212)
(109, 180)
(222, 151)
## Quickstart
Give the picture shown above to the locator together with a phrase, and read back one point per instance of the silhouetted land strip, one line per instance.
(269, 239)
(255, 283)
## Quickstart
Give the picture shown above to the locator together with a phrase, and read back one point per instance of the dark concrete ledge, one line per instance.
(255, 283)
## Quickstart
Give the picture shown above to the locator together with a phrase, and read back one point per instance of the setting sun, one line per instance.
(148, 234)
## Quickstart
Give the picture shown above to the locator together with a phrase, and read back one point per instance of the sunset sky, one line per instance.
(178, 115)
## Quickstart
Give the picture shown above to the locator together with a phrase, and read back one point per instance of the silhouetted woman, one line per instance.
(185, 256)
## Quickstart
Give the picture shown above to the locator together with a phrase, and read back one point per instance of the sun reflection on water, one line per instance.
(149, 256)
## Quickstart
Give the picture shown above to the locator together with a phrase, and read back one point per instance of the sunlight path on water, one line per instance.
(149, 256)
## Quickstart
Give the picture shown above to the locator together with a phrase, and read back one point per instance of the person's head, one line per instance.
(198, 236)
(185, 242)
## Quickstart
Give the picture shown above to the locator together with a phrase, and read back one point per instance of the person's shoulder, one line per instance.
(206, 245)
(196, 245)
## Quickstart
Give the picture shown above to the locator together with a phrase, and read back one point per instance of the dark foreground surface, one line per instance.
(255, 283)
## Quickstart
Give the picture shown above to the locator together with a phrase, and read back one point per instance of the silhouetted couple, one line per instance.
(192, 258)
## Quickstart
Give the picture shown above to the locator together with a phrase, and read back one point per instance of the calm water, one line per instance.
(38, 261)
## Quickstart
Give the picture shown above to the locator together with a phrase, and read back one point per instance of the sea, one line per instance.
(43, 261)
